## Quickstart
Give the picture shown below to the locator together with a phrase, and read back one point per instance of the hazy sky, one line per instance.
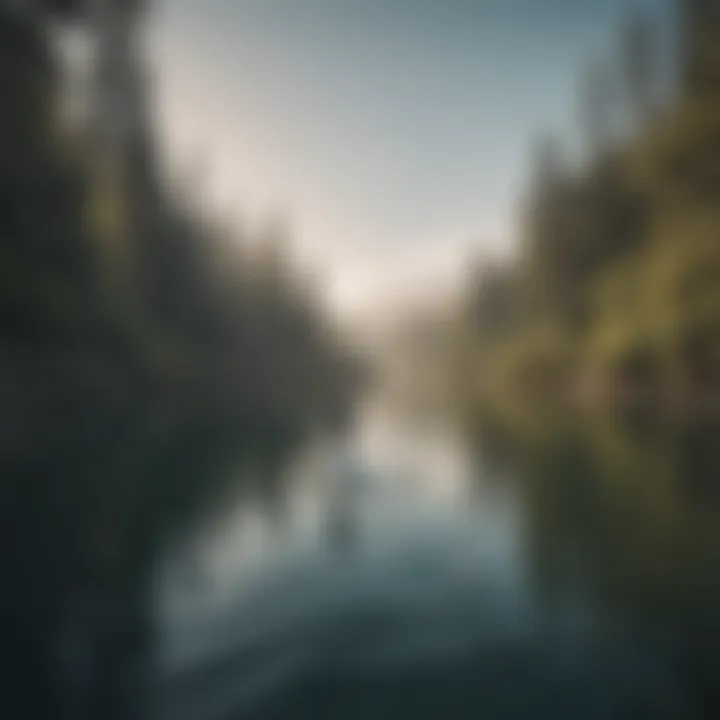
(394, 133)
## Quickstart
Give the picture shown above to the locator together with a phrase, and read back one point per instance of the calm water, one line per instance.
(564, 573)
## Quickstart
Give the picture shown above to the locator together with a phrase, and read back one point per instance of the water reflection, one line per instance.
(562, 573)
(626, 516)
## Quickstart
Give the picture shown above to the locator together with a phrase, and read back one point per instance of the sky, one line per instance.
(394, 135)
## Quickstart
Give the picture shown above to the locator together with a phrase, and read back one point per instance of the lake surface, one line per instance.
(407, 573)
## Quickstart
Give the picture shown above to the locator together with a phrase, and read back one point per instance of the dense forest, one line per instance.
(142, 349)
(613, 298)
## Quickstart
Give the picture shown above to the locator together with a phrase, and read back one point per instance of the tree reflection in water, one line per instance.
(600, 605)
(625, 514)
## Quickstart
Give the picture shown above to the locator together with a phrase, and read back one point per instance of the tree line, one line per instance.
(613, 298)
(144, 355)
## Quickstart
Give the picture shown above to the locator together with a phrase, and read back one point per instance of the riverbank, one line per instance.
(612, 301)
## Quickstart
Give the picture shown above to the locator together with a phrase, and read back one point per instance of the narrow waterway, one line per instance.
(407, 575)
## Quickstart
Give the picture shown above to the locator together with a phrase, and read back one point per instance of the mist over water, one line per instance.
(444, 592)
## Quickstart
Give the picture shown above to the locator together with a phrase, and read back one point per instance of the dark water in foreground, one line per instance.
(569, 574)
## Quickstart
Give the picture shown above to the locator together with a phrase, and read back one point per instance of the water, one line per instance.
(561, 574)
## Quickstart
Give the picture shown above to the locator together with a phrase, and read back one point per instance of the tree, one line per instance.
(640, 68)
(596, 108)
(700, 55)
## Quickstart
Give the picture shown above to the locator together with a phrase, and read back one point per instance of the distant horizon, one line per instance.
(396, 137)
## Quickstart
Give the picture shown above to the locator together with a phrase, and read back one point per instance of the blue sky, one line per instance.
(393, 133)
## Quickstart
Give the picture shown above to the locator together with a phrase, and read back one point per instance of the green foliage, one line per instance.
(619, 280)
(145, 356)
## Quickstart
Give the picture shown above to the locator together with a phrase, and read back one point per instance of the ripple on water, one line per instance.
(428, 628)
